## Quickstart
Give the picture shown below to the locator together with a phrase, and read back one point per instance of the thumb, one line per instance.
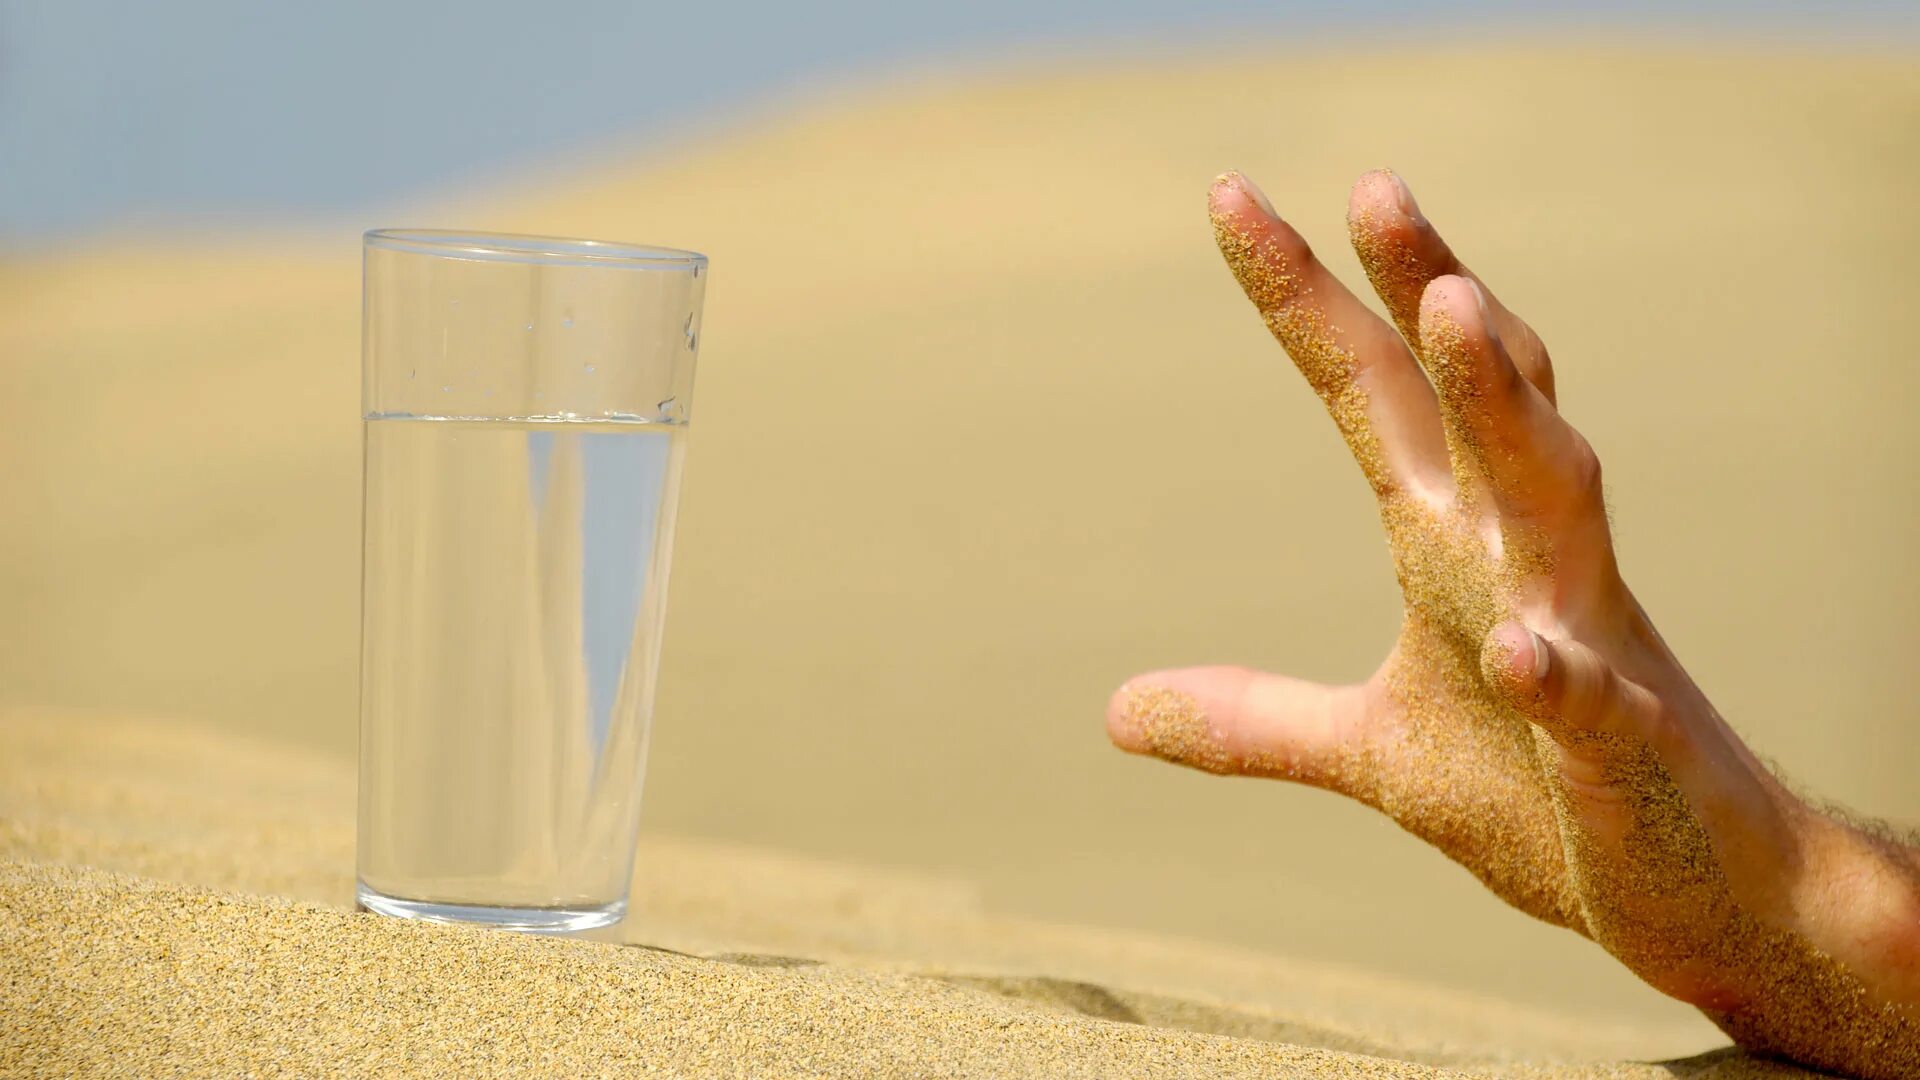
(1236, 721)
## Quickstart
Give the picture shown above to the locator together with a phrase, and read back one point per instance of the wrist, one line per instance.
(1862, 884)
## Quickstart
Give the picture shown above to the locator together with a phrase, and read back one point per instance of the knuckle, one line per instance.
(1502, 376)
(1658, 726)
(1587, 693)
(1565, 684)
(1590, 695)
(1583, 466)
(1535, 351)
(1584, 775)
(1538, 369)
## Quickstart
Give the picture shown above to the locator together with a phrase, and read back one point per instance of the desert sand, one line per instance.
(176, 898)
(982, 428)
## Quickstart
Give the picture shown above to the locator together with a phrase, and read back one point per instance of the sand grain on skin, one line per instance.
(1454, 766)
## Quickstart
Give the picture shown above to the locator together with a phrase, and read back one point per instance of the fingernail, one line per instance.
(1236, 178)
(1404, 196)
(1542, 657)
(1259, 197)
(1486, 314)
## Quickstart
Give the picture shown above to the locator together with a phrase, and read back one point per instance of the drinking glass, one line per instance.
(526, 403)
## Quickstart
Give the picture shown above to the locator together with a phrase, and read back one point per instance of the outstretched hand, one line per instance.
(1529, 721)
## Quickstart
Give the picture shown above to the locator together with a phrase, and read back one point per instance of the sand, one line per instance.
(934, 517)
(156, 979)
(176, 901)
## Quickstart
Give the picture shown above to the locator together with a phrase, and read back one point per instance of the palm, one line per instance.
(1448, 759)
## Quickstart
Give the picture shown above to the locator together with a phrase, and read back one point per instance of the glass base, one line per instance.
(567, 920)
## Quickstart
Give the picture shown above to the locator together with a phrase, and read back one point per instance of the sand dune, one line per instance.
(753, 963)
(982, 428)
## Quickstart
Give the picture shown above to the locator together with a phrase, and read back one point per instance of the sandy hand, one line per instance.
(1529, 721)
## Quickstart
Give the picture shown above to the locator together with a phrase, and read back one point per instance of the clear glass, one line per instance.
(526, 405)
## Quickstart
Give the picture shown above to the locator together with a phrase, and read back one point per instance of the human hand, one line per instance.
(1529, 721)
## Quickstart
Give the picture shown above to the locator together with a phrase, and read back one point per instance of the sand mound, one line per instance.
(738, 962)
(149, 978)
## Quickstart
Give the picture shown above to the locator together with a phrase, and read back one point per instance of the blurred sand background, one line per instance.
(983, 427)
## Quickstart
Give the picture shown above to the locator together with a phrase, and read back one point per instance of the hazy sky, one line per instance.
(252, 111)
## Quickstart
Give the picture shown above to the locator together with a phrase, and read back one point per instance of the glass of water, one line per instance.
(526, 403)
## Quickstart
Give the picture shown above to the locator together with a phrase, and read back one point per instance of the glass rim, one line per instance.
(532, 249)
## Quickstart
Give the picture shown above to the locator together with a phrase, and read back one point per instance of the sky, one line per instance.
(252, 112)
